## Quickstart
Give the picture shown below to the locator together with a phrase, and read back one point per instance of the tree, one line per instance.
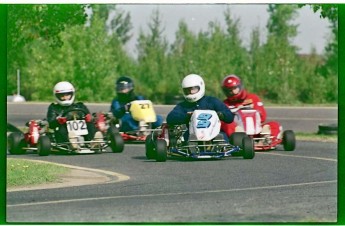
(329, 70)
(27, 23)
(152, 59)
(89, 59)
(280, 55)
(117, 22)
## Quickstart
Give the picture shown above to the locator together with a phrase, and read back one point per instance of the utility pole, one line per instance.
(18, 82)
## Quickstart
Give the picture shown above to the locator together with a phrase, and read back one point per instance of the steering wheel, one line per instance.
(77, 110)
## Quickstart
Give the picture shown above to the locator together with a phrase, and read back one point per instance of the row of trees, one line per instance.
(50, 43)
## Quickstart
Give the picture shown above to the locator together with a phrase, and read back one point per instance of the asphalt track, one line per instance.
(275, 186)
(298, 119)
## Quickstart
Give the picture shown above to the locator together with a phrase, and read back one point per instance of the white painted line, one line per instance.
(298, 156)
(178, 193)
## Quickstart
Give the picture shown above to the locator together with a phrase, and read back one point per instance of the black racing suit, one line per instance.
(60, 130)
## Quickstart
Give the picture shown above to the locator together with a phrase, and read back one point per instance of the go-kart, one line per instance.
(248, 121)
(143, 112)
(42, 140)
(205, 140)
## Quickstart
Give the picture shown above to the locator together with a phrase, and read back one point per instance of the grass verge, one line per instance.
(316, 137)
(22, 172)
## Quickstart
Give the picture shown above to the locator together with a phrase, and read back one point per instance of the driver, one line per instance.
(193, 88)
(237, 97)
(124, 88)
(64, 94)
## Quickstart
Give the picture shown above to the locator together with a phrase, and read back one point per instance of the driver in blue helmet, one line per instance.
(120, 105)
(64, 94)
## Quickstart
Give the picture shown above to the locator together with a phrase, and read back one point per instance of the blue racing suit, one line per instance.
(179, 115)
(119, 110)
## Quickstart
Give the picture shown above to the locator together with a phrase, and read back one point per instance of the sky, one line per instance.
(313, 31)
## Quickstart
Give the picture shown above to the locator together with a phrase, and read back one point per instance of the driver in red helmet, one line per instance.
(237, 97)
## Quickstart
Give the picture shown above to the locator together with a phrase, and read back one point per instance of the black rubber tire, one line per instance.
(12, 128)
(248, 148)
(43, 146)
(236, 138)
(150, 146)
(161, 150)
(117, 143)
(328, 129)
(16, 142)
(289, 140)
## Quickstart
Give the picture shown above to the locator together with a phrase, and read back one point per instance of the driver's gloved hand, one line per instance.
(127, 107)
(220, 115)
(61, 120)
(88, 118)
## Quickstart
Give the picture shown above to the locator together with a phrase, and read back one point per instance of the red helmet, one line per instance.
(230, 83)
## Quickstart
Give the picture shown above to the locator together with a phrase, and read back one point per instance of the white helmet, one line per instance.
(193, 87)
(61, 89)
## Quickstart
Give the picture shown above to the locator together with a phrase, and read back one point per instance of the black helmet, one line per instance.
(124, 85)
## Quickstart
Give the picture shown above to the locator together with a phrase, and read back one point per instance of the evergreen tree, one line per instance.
(280, 55)
(153, 68)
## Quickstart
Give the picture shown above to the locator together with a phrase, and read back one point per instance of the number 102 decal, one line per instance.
(76, 125)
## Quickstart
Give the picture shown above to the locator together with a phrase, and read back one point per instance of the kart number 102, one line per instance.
(77, 126)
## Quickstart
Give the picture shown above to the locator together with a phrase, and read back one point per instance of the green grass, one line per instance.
(22, 172)
(316, 137)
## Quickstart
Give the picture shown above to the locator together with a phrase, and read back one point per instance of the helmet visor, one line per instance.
(64, 96)
(231, 91)
(191, 90)
(124, 87)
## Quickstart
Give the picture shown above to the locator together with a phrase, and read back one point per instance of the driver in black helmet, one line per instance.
(124, 88)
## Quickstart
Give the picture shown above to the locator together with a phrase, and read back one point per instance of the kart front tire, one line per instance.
(43, 146)
(117, 143)
(161, 150)
(16, 143)
(248, 148)
(150, 146)
(289, 140)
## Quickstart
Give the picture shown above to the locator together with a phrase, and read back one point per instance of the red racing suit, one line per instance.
(253, 101)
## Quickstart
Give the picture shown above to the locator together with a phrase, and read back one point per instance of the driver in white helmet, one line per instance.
(64, 94)
(193, 87)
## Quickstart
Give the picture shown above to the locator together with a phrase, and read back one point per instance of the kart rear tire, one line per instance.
(16, 143)
(237, 138)
(289, 140)
(161, 150)
(43, 146)
(116, 141)
(150, 146)
(248, 147)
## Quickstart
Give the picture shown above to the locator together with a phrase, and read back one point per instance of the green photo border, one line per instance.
(341, 115)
